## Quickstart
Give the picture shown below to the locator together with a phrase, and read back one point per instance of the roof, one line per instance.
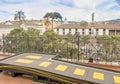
(59, 70)
(15, 24)
(8, 26)
(96, 26)
(113, 26)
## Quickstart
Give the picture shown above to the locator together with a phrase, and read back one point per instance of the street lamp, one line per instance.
(77, 35)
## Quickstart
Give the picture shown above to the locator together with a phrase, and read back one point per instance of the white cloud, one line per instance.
(89, 4)
(13, 0)
(81, 10)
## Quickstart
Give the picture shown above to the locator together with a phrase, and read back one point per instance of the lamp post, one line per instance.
(77, 35)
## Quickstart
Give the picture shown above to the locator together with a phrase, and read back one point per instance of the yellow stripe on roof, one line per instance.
(45, 64)
(99, 76)
(24, 61)
(61, 67)
(117, 79)
(78, 71)
(33, 57)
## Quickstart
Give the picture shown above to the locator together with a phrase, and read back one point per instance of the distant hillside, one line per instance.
(114, 21)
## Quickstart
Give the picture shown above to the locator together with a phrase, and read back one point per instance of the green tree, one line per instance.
(69, 35)
(58, 16)
(53, 16)
(19, 16)
(13, 39)
(19, 40)
(51, 34)
(33, 39)
(109, 44)
(84, 24)
(50, 41)
(16, 32)
(33, 32)
(47, 23)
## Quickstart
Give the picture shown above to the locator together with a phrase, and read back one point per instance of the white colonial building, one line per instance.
(97, 29)
(6, 27)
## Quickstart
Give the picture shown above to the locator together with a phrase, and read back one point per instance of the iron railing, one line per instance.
(73, 49)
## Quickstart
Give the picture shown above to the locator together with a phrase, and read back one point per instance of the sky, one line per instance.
(73, 10)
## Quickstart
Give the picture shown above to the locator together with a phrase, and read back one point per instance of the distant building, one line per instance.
(97, 29)
(6, 27)
(65, 21)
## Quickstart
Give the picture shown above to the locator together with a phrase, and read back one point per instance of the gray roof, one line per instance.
(44, 62)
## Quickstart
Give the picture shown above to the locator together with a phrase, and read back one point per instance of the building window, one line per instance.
(70, 31)
(96, 31)
(58, 31)
(104, 31)
(76, 30)
(63, 31)
(83, 31)
(90, 31)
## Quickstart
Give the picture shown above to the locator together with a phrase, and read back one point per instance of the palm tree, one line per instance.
(19, 16)
(47, 23)
(52, 16)
(58, 16)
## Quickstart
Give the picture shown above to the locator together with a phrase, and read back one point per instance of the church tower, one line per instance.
(92, 24)
(65, 21)
(93, 15)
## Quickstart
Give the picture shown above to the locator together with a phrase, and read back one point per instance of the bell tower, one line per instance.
(93, 20)
(93, 15)
(92, 24)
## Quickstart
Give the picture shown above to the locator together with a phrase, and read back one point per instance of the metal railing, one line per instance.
(71, 49)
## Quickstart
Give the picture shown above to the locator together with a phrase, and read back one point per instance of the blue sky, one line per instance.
(76, 10)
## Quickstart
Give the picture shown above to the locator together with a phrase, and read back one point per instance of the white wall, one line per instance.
(86, 31)
(72, 31)
(55, 30)
(60, 31)
(66, 31)
(80, 31)
(41, 28)
(100, 31)
(94, 31)
(5, 31)
(107, 31)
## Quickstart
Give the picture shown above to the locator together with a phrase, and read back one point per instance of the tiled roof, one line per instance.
(96, 26)
(15, 24)
(2, 25)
